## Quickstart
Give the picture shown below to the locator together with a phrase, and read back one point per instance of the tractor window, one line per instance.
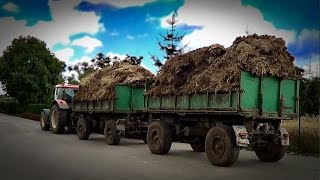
(69, 92)
(59, 93)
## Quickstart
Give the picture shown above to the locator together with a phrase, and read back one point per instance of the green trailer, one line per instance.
(222, 122)
(122, 116)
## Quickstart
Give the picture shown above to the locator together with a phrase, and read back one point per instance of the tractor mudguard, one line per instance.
(62, 104)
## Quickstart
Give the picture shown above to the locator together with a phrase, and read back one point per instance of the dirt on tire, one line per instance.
(221, 147)
(83, 129)
(110, 133)
(216, 68)
(159, 138)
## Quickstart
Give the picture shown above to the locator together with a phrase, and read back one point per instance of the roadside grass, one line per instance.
(309, 131)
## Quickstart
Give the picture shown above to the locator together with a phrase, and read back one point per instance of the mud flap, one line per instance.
(284, 137)
(241, 136)
(121, 126)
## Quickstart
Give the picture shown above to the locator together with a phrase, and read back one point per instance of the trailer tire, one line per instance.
(199, 145)
(111, 134)
(83, 129)
(44, 120)
(58, 120)
(159, 138)
(221, 147)
(273, 153)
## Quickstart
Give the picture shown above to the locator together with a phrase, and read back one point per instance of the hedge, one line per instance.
(17, 108)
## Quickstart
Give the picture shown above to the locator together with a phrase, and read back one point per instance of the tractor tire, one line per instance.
(159, 138)
(83, 129)
(58, 120)
(199, 145)
(111, 134)
(44, 120)
(272, 153)
(221, 147)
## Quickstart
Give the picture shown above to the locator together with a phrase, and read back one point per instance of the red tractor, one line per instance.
(59, 116)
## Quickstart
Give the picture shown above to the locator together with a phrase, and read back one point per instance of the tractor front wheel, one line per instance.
(44, 120)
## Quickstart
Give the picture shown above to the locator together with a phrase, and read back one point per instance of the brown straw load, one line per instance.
(215, 68)
(100, 84)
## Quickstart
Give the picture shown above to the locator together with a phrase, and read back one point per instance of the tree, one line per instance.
(170, 43)
(310, 96)
(28, 70)
(99, 62)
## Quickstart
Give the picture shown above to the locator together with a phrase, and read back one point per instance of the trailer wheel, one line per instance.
(44, 120)
(58, 120)
(111, 134)
(272, 153)
(199, 145)
(159, 138)
(83, 129)
(220, 146)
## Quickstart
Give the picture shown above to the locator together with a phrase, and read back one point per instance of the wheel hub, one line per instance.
(218, 146)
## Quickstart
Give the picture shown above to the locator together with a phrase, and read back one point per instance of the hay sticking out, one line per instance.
(100, 84)
(215, 68)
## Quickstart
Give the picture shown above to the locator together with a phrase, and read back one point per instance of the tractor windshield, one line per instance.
(67, 93)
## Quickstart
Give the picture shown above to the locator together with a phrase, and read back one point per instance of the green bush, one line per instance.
(36, 108)
(16, 108)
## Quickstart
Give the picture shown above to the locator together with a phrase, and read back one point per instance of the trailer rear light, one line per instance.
(243, 135)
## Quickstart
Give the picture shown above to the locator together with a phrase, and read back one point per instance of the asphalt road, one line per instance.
(26, 152)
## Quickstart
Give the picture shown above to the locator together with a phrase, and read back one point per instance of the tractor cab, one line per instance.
(65, 92)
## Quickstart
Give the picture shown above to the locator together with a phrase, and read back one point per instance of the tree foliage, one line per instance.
(28, 70)
(310, 96)
(170, 42)
(99, 62)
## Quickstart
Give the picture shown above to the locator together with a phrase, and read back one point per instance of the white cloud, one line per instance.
(66, 21)
(142, 35)
(123, 3)
(87, 42)
(130, 37)
(222, 22)
(311, 66)
(65, 55)
(114, 33)
(150, 18)
(11, 7)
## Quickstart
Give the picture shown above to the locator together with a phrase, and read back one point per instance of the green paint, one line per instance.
(288, 92)
(137, 98)
(168, 102)
(250, 85)
(270, 94)
(183, 102)
(122, 98)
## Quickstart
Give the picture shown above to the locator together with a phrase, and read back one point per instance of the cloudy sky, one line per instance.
(76, 30)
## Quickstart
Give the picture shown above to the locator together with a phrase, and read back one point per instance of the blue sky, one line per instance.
(76, 30)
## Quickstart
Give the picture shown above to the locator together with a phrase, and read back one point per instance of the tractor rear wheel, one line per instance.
(58, 120)
(44, 120)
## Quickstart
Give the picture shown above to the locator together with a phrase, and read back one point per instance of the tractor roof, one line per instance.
(72, 86)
